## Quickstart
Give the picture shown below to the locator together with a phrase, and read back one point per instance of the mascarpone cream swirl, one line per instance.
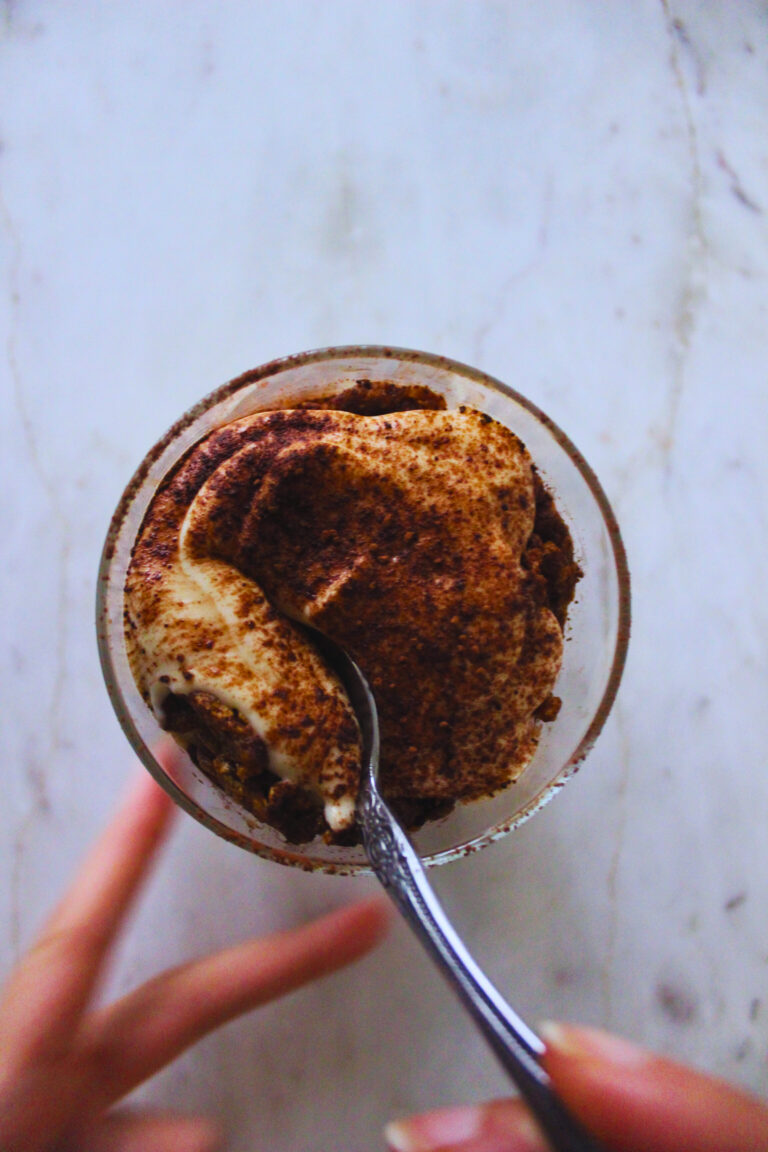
(406, 537)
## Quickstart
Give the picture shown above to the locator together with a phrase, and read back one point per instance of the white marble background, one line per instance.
(572, 196)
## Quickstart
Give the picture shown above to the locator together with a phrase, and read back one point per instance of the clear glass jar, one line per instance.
(597, 631)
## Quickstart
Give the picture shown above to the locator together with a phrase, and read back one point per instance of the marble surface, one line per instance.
(571, 196)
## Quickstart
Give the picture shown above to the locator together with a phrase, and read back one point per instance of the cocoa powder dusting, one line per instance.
(426, 544)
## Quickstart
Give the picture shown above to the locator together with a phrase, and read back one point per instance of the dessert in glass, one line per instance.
(427, 518)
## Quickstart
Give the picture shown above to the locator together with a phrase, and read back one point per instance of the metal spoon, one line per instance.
(397, 865)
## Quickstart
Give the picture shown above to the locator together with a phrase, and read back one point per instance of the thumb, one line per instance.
(638, 1102)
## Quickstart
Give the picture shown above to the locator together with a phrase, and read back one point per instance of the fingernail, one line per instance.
(592, 1043)
(503, 1127)
(434, 1130)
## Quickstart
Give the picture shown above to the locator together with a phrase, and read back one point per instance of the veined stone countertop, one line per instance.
(573, 197)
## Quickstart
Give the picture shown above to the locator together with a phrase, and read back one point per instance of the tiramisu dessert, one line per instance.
(420, 539)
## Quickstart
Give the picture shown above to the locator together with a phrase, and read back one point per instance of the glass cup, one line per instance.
(597, 631)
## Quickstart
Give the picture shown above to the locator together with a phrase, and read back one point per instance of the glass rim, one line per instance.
(287, 854)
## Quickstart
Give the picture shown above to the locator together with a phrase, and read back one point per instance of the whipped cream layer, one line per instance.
(407, 537)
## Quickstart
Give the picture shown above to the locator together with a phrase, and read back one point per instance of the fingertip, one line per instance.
(351, 931)
(142, 787)
(126, 1131)
(495, 1126)
(377, 913)
(443, 1128)
(143, 795)
(205, 1136)
(168, 753)
(190, 1133)
(587, 1043)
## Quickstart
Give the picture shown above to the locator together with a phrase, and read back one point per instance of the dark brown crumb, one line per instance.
(549, 710)
(413, 812)
(295, 812)
(218, 728)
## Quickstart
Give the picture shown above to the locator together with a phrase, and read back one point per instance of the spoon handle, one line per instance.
(400, 871)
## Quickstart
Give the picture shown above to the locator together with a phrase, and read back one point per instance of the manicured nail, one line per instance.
(592, 1044)
(434, 1129)
(497, 1127)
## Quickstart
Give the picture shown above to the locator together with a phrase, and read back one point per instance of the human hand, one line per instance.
(64, 1064)
(629, 1099)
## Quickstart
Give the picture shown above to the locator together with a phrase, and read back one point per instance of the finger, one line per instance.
(139, 1133)
(497, 1126)
(45, 997)
(637, 1102)
(112, 871)
(139, 1034)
